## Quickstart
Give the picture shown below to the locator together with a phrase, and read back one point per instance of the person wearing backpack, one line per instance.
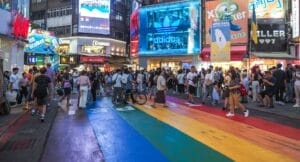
(235, 94)
(67, 86)
(41, 87)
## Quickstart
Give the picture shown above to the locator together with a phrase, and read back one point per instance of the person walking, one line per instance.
(180, 80)
(51, 74)
(117, 85)
(208, 83)
(192, 79)
(161, 84)
(14, 81)
(235, 95)
(67, 86)
(41, 86)
(84, 85)
(24, 85)
(255, 77)
(297, 86)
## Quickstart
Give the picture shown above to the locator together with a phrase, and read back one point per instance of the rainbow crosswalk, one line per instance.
(189, 133)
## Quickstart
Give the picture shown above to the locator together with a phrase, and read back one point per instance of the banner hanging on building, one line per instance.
(234, 11)
(295, 18)
(267, 9)
(220, 41)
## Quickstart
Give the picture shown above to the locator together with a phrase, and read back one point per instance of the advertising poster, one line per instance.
(267, 8)
(220, 41)
(94, 16)
(41, 43)
(234, 11)
(295, 18)
(172, 28)
(271, 37)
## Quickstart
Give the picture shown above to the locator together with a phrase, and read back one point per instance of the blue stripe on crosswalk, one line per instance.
(117, 139)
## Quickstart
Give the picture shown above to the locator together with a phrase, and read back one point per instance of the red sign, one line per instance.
(134, 19)
(92, 59)
(20, 27)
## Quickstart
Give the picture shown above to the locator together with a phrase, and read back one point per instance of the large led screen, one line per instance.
(94, 16)
(170, 29)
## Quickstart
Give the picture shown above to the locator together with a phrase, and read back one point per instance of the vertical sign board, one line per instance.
(220, 41)
(295, 18)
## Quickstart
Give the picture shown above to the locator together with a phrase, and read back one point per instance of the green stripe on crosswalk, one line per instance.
(175, 145)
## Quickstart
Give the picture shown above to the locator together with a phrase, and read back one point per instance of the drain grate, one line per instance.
(18, 145)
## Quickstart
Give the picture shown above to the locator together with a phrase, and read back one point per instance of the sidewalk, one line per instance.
(25, 138)
(8, 120)
(286, 110)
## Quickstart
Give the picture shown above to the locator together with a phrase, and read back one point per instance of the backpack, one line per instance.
(243, 90)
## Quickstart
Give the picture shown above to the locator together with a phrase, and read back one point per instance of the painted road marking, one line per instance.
(232, 146)
(190, 104)
(119, 141)
(126, 108)
(274, 142)
(175, 145)
(148, 106)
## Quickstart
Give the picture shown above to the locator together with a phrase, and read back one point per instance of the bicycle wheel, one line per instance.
(140, 98)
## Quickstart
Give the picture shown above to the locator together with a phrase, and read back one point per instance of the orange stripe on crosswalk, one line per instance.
(226, 141)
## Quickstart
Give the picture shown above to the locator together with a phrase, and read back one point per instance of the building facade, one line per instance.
(76, 21)
(13, 33)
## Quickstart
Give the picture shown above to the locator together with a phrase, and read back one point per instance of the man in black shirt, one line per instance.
(268, 92)
(280, 77)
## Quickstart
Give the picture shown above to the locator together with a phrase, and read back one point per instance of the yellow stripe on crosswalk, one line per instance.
(228, 144)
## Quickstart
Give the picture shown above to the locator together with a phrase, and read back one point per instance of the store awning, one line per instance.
(274, 55)
(237, 53)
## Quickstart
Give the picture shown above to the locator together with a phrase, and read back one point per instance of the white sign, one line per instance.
(295, 19)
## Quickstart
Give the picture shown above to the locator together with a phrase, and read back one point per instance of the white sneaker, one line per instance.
(230, 114)
(246, 113)
(296, 105)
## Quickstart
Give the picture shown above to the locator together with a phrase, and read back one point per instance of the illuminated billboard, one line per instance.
(94, 16)
(171, 29)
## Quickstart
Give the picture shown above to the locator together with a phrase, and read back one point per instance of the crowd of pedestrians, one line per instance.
(35, 88)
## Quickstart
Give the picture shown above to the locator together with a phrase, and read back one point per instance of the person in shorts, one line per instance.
(67, 86)
(41, 87)
(192, 83)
